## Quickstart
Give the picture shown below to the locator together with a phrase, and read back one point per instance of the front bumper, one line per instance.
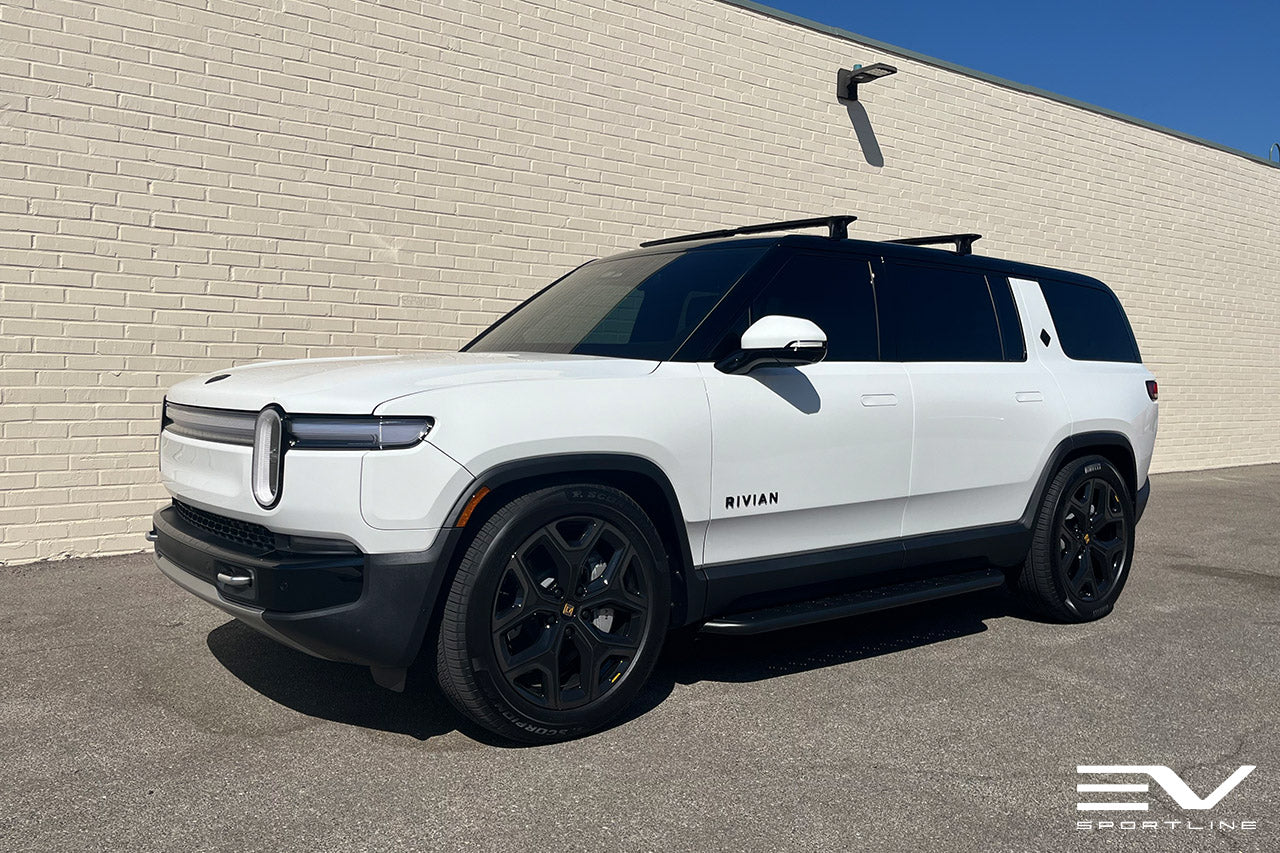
(368, 609)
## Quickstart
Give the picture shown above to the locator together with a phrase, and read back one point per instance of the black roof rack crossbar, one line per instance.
(963, 242)
(838, 225)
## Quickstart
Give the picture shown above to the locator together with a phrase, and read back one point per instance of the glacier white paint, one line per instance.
(853, 452)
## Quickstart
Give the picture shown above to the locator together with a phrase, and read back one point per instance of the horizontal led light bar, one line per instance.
(224, 426)
(319, 432)
(369, 433)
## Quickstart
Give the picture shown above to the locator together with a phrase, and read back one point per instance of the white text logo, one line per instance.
(1171, 782)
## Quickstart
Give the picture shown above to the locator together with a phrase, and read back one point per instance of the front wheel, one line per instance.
(556, 615)
(1082, 545)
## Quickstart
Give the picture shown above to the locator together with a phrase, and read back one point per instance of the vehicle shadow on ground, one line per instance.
(342, 693)
(689, 658)
(346, 694)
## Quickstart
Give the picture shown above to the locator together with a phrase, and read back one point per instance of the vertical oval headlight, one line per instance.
(268, 458)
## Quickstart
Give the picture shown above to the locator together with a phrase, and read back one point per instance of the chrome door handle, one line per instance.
(870, 400)
(1029, 397)
(234, 581)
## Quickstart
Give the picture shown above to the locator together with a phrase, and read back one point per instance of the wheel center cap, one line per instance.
(1086, 541)
(567, 609)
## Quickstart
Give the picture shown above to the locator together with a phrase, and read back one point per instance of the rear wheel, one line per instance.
(556, 615)
(1082, 544)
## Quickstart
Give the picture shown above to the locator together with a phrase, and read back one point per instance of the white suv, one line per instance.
(740, 434)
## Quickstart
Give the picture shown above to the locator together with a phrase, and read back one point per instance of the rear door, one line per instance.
(814, 457)
(985, 413)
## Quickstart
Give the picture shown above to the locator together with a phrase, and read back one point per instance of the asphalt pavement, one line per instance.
(135, 717)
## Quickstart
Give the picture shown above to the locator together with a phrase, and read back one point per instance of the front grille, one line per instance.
(244, 533)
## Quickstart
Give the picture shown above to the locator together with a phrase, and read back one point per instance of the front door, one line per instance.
(814, 457)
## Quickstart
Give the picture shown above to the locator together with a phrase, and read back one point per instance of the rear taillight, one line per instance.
(1153, 389)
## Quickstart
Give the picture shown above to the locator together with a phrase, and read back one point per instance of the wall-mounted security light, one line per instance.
(848, 79)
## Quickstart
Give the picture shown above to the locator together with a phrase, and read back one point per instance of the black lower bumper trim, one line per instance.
(258, 577)
(386, 626)
(387, 599)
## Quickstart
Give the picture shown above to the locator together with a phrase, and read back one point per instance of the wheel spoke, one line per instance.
(573, 570)
(617, 595)
(544, 658)
(584, 540)
(1101, 501)
(524, 606)
(1108, 551)
(549, 588)
(540, 654)
(569, 574)
(1076, 573)
(592, 654)
(610, 587)
(1069, 543)
(597, 647)
(1103, 576)
(1114, 507)
(617, 644)
(593, 538)
(551, 687)
(1082, 500)
(1083, 572)
(504, 622)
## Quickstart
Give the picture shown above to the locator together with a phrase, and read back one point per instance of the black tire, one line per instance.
(1082, 544)
(527, 657)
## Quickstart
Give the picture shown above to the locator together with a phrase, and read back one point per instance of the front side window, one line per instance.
(833, 291)
(937, 314)
(640, 307)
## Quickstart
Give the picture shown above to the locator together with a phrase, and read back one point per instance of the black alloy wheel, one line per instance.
(570, 612)
(556, 615)
(1082, 543)
(1093, 539)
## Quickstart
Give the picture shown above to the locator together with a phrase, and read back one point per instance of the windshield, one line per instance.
(637, 307)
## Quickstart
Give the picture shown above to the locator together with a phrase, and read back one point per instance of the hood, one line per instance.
(353, 386)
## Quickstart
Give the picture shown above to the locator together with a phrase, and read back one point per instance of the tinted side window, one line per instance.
(1091, 324)
(833, 291)
(937, 314)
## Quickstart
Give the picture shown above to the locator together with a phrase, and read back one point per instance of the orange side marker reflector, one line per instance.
(471, 506)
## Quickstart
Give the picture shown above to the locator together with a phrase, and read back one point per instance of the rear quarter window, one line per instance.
(1090, 322)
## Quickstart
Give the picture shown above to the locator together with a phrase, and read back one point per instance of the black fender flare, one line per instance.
(1075, 445)
(564, 466)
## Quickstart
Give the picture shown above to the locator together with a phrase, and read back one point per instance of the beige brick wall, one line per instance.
(188, 185)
